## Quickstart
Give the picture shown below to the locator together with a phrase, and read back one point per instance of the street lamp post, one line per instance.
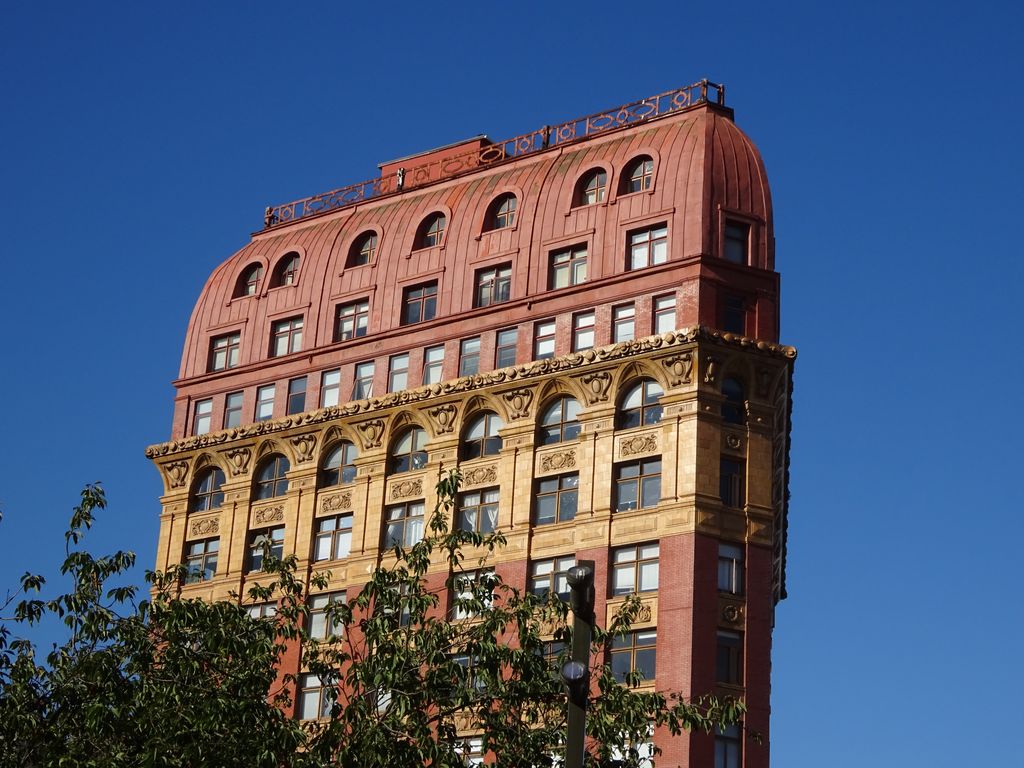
(576, 673)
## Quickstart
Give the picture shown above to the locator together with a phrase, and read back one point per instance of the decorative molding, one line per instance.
(371, 432)
(732, 614)
(596, 386)
(443, 417)
(522, 396)
(304, 446)
(337, 502)
(238, 461)
(733, 441)
(680, 368)
(554, 461)
(644, 613)
(639, 444)
(269, 514)
(403, 489)
(710, 370)
(204, 527)
(480, 475)
(176, 471)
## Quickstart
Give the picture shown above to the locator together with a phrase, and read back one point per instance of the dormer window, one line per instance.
(502, 213)
(590, 188)
(737, 242)
(431, 232)
(363, 250)
(639, 175)
(286, 271)
(249, 281)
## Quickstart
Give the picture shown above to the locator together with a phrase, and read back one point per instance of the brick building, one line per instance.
(584, 319)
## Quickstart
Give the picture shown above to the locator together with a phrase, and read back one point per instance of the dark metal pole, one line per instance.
(576, 673)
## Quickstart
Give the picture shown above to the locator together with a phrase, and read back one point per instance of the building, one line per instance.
(584, 319)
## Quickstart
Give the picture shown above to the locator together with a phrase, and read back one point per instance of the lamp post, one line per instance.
(576, 673)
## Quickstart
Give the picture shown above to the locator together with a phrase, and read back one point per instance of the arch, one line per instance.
(431, 231)
(480, 211)
(286, 270)
(205, 493)
(637, 369)
(591, 188)
(638, 175)
(559, 386)
(362, 250)
(249, 279)
(337, 464)
(407, 450)
(483, 402)
(481, 437)
(558, 420)
(502, 212)
(640, 403)
(270, 478)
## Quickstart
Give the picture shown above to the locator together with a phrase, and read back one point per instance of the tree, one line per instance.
(183, 682)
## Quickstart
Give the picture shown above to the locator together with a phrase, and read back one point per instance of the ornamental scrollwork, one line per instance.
(238, 461)
(596, 386)
(639, 444)
(443, 417)
(552, 462)
(710, 370)
(406, 488)
(733, 441)
(480, 475)
(205, 527)
(337, 501)
(372, 432)
(304, 445)
(519, 401)
(177, 471)
(732, 614)
(644, 613)
(680, 368)
(269, 514)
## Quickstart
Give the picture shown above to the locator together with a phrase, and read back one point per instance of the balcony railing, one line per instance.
(500, 151)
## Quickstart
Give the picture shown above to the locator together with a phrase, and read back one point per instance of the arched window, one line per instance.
(249, 281)
(407, 452)
(638, 176)
(286, 271)
(590, 188)
(272, 477)
(431, 231)
(502, 212)
(641, 404)
(363, 249)
(734, 409)
(338, 466)
(558, 423)
(206, 492)
(481, 436)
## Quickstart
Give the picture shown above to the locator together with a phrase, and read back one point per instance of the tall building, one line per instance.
(584, 319)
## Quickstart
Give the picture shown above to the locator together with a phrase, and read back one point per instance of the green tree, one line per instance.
(184, 682)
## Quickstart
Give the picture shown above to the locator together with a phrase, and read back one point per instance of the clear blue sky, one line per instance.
(141, 143)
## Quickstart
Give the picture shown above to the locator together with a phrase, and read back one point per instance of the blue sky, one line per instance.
(141, 143)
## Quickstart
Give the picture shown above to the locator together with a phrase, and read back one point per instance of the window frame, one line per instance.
(262, 401)
(233, 413)
(660, 312)
(431, 231)
(653, 245)
(732, 484)
(650, 410)
(486, 506)
(415, 458)
(433, 370)
(564, 429)
(330, 388)
(286, 271)
(307, 690)
(582, 192)
(202, 416)
(398, 372)
(275, 484)
(628, 646)
(345, 471)
(363, 249)
(332, 627)
(422, 296)
(492, 285)
(623, 316)
(584, 330)
(554, 571)
(565, 486)
(541, 338)
(405, 523)
(729, 657)
(737, 234)
(731, 569)
(351, 320)
(568, 265)
(469, 360)
(337, 539)
(213, 496)
(286, 333)
(227, 346)
(734, 402)
(362, 386)
(501, 215)
(641, 557)
(638, 175)
(500, 348)
(296, 400)
(249, 279)
(489, 443)
(198, 563)
(255, 547)
(647, 475)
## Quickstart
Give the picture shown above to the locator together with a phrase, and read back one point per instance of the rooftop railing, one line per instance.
(498, 152)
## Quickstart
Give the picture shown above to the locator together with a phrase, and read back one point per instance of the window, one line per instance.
(558, 423)
(363, 249)
(471, 667)
(637, 484)
(493, 285)
(330, 388)
(728, 747)
(338, 465)
(478, 511)
(351, 320)
(398, 372)
(249, 281)
(201, 560)
(269, 541)
(635, 569)
(296, 396)
(408, 451)
(730, 569)
(547, 576)
(224, 352)
(737, 242)
(582, 331)
(404, 524)
(324, 621)
(265, 402)
(502, 213)
(556, 499)
(471, 592)
(431, 231)
(469, 356)
(734, 314)
(641, 404)
(286, 270)
(233, 410)
(481, 437)
(363, 384)
(472, 750)
(333, 538)
(419, 303)
(734, 409)
(624, 323)
(648, 247)
(315, 699)
(202, 418)
(206, 493)
(544, 340)
(639, 753)
(730, 482)
(729, 658)
(272, 477)
(633, 656)
(638, 175)
(664, 314)
(568, 267)
(505, 350)
(286, 337)
(590, 188)
(433, 364)
(262, 610)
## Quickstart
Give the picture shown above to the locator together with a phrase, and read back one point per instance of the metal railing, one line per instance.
(500, 151)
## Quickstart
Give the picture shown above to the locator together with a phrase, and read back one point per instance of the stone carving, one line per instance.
(644, 613)
(680, 368)
(205, 527)
(597, 386)
(519, 401)
(406, 488)
(537, 368)
(732, 614)
(337, 501)
(177, 471)
(711, 370)
(238, 461)
(479, 475)
(372, 432)
(304, 445)
(638, 444)
(269, 514)
(556, 461)
(733, 441)
(443, 417)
